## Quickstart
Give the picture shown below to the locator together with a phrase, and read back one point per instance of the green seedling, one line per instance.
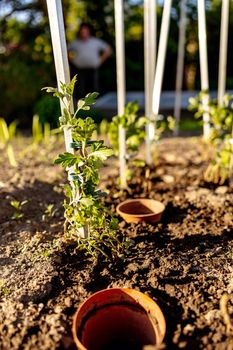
(221, 121)
(87, 221)
(18, 206)
(7, 134)
(3, 290)
(50, 211)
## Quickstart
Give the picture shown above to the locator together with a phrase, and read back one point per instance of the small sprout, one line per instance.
(18, 206)
(49, 212)
(3, 290)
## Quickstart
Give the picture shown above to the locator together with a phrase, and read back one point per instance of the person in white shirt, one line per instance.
(86, 55)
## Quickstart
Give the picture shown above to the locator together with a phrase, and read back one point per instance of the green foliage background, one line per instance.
(26, 61)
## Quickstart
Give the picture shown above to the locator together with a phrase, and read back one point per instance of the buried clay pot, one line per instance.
(118, 319)
(140, 209)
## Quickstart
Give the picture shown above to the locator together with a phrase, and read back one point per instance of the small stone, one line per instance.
(182, 344)
(203, 191)
(170, 158)
(191, 196)
(141, 245)
(122, 224)
(188, 329)
(58, 309)
(221, 190)
(168, 179)
(67, 302)
(228, 219)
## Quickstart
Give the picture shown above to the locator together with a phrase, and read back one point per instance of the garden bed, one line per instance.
(184, 263)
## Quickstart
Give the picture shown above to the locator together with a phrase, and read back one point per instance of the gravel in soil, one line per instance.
(184, 262)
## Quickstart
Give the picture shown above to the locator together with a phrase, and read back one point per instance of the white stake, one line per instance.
(62, 69)
(223, 51)
(161, 57)
(60, 52)
(180, 65)
(203, 64)
(149, 64)
(120, 64)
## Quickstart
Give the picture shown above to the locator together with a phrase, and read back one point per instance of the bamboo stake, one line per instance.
(180, 65)
(223, 51)
(120, 64)
(149, 64)
(203, 65)
(161, 57)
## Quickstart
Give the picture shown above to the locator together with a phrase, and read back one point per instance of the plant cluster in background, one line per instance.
(135, 133)
(87, 221)
(221, 122)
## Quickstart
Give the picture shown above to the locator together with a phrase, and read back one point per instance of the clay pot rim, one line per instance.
(129, 291)
(120, 212)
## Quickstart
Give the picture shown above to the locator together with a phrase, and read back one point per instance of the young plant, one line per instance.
(135, 134)
(7, 133)
(221, 119)
(87, 221)
(18, 206)
(50, 212)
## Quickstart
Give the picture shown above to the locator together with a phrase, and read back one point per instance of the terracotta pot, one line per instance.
(118, 319)
(140, 209)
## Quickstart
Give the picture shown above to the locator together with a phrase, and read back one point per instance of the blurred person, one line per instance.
(86, 54)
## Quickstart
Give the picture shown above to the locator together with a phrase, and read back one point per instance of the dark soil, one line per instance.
(184, 263)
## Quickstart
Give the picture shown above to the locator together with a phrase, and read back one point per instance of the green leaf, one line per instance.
(141, 122)
(65, 119)
(49, 89)
(16, 204)
(86, 201)
(99, 193)
(68, 191)
(69, 88)
(87, 101)
(90, 98)
(102, 153)
(12, 129)
(67, 159)
(139, 163)
(11, 155)
(77, 177)
(81, 104)
(4, 131)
